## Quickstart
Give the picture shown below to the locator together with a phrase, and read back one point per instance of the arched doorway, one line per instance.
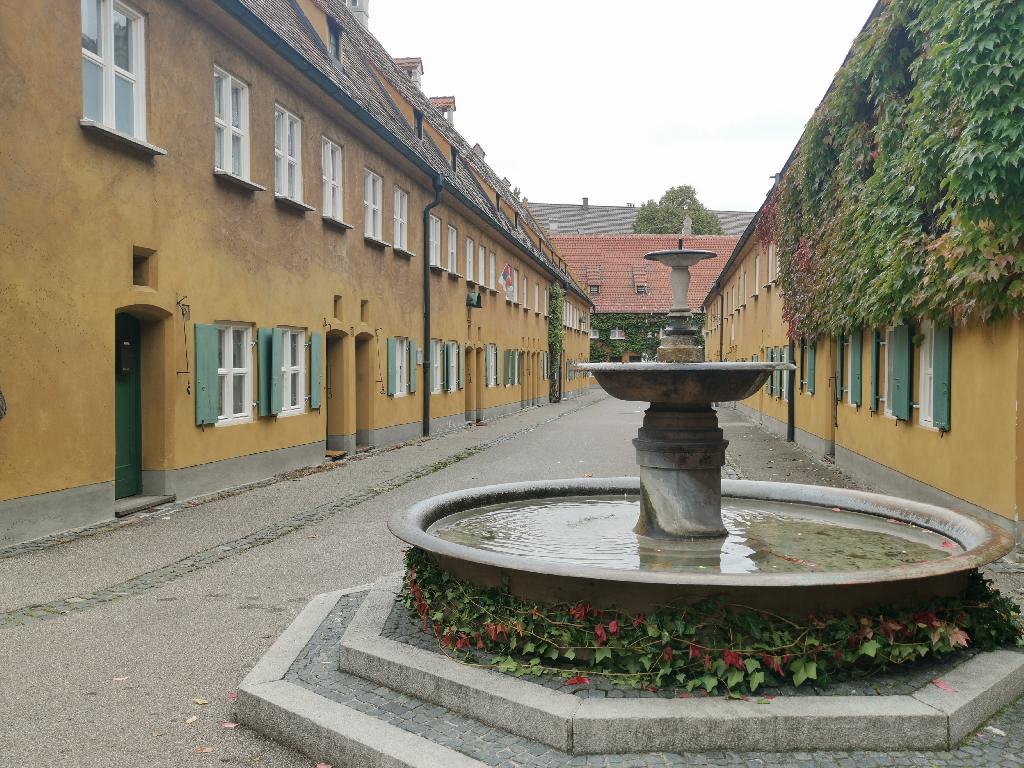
(338, 396)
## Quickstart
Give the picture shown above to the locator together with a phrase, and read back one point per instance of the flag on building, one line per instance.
(506, 277)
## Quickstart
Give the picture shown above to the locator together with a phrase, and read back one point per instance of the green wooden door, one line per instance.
(127, 409)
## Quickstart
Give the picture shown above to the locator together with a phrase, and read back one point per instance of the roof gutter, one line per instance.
(251, 22)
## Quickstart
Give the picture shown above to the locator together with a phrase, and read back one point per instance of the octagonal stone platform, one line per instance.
(481, 705)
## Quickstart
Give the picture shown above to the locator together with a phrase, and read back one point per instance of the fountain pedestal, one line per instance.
(680, 453)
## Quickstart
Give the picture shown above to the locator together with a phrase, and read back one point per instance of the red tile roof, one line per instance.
(443, 102)
(616, 263)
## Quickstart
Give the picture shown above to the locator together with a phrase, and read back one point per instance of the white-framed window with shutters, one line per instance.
(452, 355)
(453, 249)
(435, 366)
(234, 374)
(435, 241)
(470, 256)
(885, 377)
(401, 215)
(492, 274)
(230, 124)
(925, 396)
(401, 366)
(114, 66)
(293, 372)
(287, 154)
(331, 162)
(492, 365)
(373, 195)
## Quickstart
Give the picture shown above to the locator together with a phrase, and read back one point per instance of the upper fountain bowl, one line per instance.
(682, 384)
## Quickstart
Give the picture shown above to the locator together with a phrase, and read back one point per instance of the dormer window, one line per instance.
(334, 40)
(595, 290)
(641, 289)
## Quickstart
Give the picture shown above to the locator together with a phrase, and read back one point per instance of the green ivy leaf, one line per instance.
(869, 648)
(756, 680)
(602, 653)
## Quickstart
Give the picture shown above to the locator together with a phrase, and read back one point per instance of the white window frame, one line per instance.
(226, 125)
(453, 249)
(925, 367)
(109, 71)
(771, 258)
(470, 257)
(536, 298)
(547, 301)
(226, 374)
(595, 334)
(886, 378)
(492, 365)
(287, 126)
(481, 265)
(453, 365)
(401, 363)
(847, 357)
(373, 197)
(526, 293)
(401, 217)
(435, 366)
(293, 372)
(617, 334)
(332, 163)
(757, 272)
(785, 374)
(435, 241)
(492, 274)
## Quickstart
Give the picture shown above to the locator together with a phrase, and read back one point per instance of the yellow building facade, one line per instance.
(911, 409)
(219, 261)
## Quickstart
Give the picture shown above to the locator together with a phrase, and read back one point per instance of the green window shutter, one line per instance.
(876, 347)
(840, 366)
(276, 374)
(207, 379)
(812, 350)
(392, 347)
(778, 373)
(316, 366)
(506, 366)
(942, 374)
(264, 340)
(412, 366)
(902, 370)
(856, 368)
(462, 367)
(444, 375)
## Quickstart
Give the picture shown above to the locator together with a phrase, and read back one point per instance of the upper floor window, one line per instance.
(526, 293)
(373, 191)
(331, 160)
(480, 264)
(595, 334)
(595, 290)
(401, 219)
(470, 255)
(287, 154)
(536, 298)
(334, 40)
(293, 369)
(435, 241)
(230, 124)
(618, 333)
(641, 289)
(453, 249)
(113, 66)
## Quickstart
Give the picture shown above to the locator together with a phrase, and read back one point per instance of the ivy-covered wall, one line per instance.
(642, 335)
(905, 195)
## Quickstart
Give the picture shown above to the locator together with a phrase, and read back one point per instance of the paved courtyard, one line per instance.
(112, 642)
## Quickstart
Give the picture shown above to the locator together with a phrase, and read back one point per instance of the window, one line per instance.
(373, 191)
(515, 286)
(452, 356)
(757, 272)
(230, 124)
(493, 277)
(435, 366)
(547, 302)
(453, 249)
(925, 385)
(293, 370)
(641, 289)
(885, 377)
(526, 293)
(113, 67)
(536, 298)
(334, 40)
(481, 257)
(287, 154)
(401, 234)
(618, 333)
(435, 241)
(771, 263)
(595, 334)
(470, 255)
(595, 290)
(331, 160)
(401, 366)
(492, 365)
(234, 374)
(785, 359)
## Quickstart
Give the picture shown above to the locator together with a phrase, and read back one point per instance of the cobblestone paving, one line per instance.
(1000, 744)
(219, 552)
(402, 627)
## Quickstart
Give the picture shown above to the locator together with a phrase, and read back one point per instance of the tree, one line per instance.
(665, 217)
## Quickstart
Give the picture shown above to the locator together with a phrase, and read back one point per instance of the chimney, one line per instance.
(361, 10)
(586, 204)
(479, 151)
(447, 106)
(411, 66)
(687, 221)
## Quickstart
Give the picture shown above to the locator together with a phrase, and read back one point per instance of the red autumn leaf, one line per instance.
(733, 659)
(684, 695)
(599, 633)
(578, 680)
(694, 651)
(959, 637)
(638, 620)
(666, 654)
(650, 688)
(613, 627)
(579, 612)
(942, 685)
(463, 642)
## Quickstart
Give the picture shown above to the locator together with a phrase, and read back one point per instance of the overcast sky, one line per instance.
(618, 101)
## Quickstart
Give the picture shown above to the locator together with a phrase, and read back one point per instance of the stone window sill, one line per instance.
(295, 205)
(238, 181)
(120, 139)
(336, 223)
(403, 253)
(371, 240)
(437, 268)
(454, 276)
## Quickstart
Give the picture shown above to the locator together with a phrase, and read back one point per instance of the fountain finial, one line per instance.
(679, 344)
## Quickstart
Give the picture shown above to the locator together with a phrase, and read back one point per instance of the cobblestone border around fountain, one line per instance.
(298, 695)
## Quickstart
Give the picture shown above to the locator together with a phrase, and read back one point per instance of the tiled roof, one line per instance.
(616, 263)
(565, 218)
(364, 62)
(443, 102)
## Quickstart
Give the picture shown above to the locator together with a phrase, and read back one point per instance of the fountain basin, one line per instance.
(971, 543)
(682, 384)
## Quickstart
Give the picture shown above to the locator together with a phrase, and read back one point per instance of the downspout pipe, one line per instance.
(427, 362)
(721, 325)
